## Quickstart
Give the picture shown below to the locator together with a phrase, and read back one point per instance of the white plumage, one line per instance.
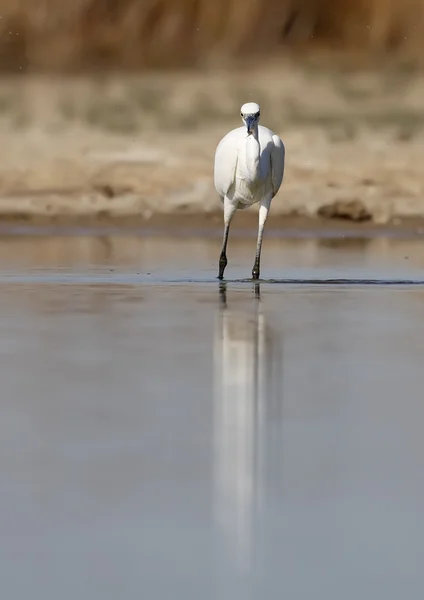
(249, 168)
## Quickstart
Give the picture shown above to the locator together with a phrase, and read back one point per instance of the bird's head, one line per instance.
(250, 114)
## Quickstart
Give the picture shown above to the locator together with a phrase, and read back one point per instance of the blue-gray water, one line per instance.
(164, 437)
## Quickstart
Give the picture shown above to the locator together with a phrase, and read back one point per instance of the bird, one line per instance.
(248, 169)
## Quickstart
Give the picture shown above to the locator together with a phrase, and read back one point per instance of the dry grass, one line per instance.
(59, 34)
(339, 103)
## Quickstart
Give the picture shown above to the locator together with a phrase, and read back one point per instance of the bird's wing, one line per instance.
(277, 163)
(225, 164)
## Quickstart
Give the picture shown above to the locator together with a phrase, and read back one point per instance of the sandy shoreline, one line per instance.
(140, 150)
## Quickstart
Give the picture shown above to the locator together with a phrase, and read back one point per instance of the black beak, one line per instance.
(249, 123)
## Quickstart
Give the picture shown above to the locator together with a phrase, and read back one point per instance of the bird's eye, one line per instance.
(258, 114)
(241, 114)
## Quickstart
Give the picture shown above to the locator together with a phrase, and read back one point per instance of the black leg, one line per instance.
(255, 270)
(223, 257)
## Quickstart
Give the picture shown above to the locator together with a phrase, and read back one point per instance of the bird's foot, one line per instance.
(222, 265)
(255, 270)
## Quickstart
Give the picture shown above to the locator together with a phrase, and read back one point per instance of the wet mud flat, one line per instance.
(167, 435)
(210, 224)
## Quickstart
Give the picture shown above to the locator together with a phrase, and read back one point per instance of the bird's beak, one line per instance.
(249, 124)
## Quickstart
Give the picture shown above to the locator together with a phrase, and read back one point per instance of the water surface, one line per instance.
(165, 436)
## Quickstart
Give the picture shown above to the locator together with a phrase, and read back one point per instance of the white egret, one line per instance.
(249, 168)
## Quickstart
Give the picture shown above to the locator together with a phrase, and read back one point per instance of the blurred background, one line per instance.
(113, 108)
(146, 34)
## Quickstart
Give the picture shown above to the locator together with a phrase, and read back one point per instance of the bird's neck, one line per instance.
(253, 154)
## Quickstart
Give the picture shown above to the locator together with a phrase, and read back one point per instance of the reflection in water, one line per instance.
(247, 380)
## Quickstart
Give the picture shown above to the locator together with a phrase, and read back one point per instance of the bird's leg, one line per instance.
(229, 210)
(223, 256)
(263, 214)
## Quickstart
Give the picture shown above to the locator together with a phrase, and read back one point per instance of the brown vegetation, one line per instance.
(63, 34)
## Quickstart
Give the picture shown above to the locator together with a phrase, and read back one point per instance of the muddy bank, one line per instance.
(137, 149)
(210, 225)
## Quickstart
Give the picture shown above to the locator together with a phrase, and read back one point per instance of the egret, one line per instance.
(249, 168)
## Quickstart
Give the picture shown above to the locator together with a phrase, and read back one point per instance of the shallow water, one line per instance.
(165, 436)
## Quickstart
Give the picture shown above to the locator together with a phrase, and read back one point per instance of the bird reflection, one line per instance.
(247, 380)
